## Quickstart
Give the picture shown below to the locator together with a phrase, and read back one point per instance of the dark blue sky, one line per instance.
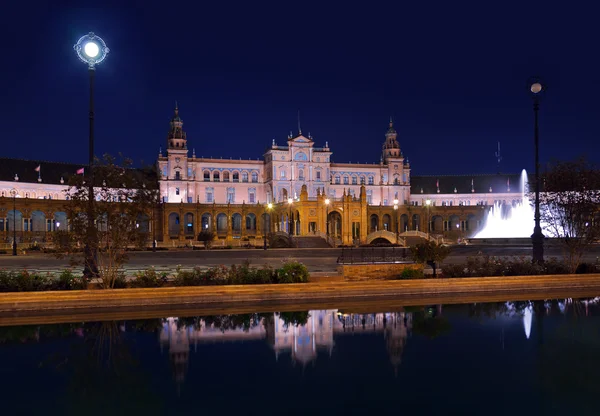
(452, 74)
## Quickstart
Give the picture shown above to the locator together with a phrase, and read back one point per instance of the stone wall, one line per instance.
(375, 270)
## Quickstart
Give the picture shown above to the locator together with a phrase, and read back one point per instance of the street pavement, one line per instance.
(317, 260)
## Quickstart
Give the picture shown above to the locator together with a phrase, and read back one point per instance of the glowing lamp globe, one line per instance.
(290, 200)
(91, 49)
(536, 88)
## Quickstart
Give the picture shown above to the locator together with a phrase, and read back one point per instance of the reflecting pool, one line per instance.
(538, 357)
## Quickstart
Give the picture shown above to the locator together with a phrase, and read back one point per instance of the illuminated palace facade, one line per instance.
(345, 203)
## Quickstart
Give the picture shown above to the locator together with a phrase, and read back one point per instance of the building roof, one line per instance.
(466, 184)
(53, 172)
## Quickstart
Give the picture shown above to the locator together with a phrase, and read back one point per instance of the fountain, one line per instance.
(515, 222)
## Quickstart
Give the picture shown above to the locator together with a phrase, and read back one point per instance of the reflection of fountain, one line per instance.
(527, 318)
(514, 222)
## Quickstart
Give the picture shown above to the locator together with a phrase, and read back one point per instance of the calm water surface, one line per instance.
(501, 358)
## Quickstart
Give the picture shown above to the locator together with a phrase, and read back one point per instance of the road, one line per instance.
(317, 260)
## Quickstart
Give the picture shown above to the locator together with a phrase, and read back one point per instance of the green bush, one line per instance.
(246, 275)
(412, 274)
(148, 278)
(68, 281)
(292, 272)
(483, 266)
(120, 281)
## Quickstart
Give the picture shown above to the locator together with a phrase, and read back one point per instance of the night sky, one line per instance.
(452, 74)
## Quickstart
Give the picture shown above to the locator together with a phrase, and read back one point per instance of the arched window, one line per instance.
(216, 176)
(244, 176)
(362, 180)
(206, 176)
(346, 182)
(337, 180)
(354, 180)
(301, 174)
(236, 176)
(371, 180)
(177, 175)
(300, 156)
(225, 176)
(254, 176)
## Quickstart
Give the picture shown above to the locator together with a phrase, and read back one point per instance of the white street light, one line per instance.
(91, 49)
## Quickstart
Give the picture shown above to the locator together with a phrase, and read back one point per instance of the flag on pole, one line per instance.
(39, 168)
(80, 171)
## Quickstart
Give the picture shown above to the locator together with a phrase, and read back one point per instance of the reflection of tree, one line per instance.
(568, 357)
(294, 318)
(103, 368)
(430, 326)
(487, 310)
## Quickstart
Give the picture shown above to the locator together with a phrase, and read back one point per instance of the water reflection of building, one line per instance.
(302, 342)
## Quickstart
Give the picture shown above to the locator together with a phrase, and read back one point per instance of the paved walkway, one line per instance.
(316, 260)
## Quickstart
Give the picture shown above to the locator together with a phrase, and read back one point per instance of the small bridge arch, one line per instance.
(386, 235)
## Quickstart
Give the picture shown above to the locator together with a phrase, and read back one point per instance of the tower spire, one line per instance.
(299, 128)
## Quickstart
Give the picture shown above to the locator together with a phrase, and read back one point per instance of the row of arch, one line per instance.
(435, 224)
(32, 195)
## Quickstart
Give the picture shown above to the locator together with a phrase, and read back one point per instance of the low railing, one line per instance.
(370, 255)
(416, 233)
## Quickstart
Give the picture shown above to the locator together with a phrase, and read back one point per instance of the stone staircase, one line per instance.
(310, 242)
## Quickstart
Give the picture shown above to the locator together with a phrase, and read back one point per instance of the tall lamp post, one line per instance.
(268, 208)
(91, 50)
(327, 202)
(428, 204)
(396, 219)
(14, 244)
(537, 238)
(290, 202)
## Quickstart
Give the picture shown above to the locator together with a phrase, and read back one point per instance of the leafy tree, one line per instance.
(569, 207)
(124, 198)
(207, 238)
(430, 252)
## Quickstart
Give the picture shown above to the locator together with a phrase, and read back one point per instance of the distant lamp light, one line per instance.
(327, 201)
(57, 224)
(536, 88)
(91, 49)
(290, 200)
(395, 202)
(428, 202)
(396, 207)
(269, 205)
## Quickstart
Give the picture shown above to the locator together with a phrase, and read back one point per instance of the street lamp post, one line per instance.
(428, 204)
(14, 244)
(327, 202)
(537, 238)
(396, 219)
(268, 207)
(290, 202)
(91, 50)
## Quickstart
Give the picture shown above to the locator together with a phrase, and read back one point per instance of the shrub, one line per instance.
(292, 271)
(482, 266)
(148, 278)
(22, 281)
(246, 275)
(68, 281)
(207, 238)
(412, 274)
(119, 282)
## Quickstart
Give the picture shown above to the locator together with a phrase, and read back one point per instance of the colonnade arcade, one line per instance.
(344, 220)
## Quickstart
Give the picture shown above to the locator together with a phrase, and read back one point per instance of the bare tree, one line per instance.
(122, 211)
(569, 207)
